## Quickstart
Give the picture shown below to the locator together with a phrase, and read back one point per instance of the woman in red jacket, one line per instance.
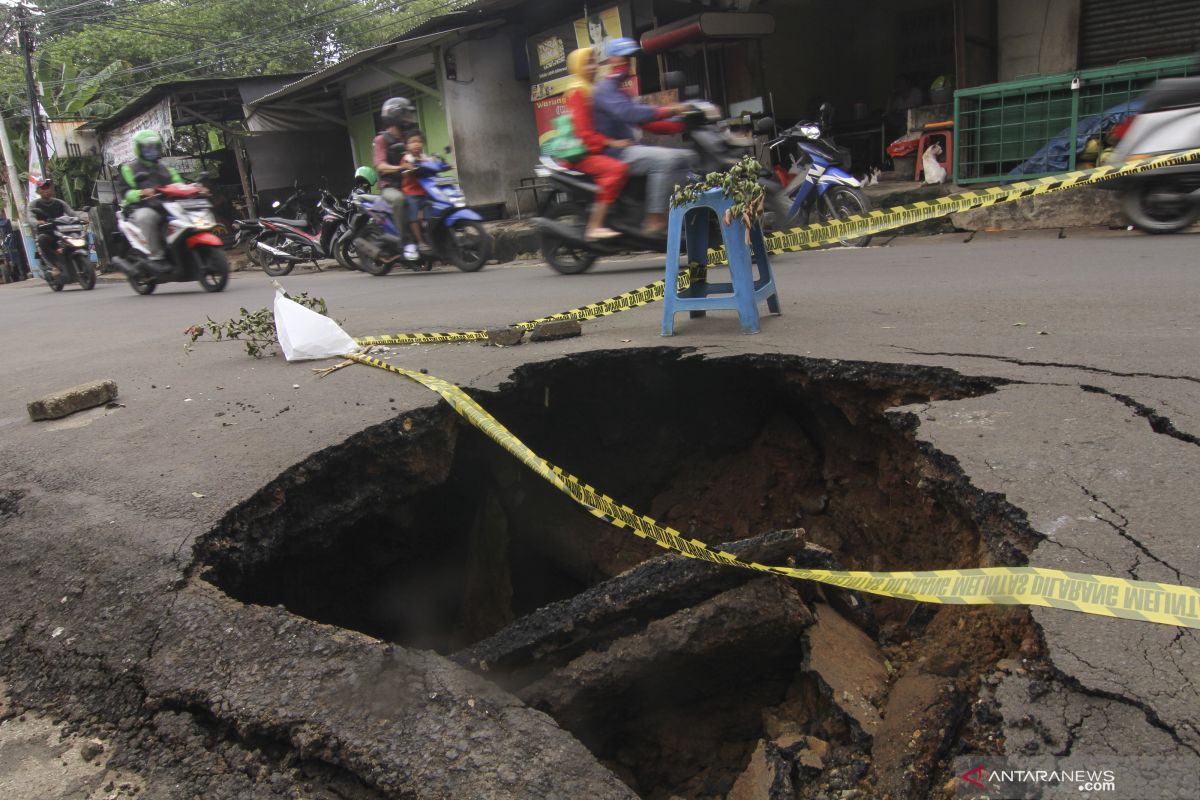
(609, 173)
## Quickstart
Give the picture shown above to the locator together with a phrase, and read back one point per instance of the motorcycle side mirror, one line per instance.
(764, 125)
(674, 80)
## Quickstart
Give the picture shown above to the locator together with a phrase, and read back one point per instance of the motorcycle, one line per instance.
(562, 221)
(1164, 200)
(342, 250)
(194, 252)
(813, 171)
(455, 233)
(279, 243)
(70, 254)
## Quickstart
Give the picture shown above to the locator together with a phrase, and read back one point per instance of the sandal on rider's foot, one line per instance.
(601, 233)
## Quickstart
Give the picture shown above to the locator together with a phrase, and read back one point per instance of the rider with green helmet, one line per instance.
(143, 177)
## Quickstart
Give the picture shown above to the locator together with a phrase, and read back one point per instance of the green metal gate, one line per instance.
(999, 126)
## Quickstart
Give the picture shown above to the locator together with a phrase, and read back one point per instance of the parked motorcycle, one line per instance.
(562, 222)
(279, 243)
(454, 232)
(343, 251)
(194, 252)
(814, 173)
(70, 254)
(1164, 200)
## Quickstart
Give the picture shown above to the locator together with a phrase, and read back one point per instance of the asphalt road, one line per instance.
(1098, 332)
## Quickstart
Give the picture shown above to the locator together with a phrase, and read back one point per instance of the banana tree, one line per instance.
(68, 93)
(74, 177)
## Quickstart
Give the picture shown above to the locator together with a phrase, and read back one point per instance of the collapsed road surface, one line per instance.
(246, 582)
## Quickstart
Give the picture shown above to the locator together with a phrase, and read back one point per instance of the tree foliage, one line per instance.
(156, 41)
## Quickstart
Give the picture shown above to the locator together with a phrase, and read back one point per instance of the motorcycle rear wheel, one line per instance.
(469, 245)
(275, 267)
(841, 202)
(367, 264)
(142, 285)
(560, 254)
(84, 271)
(214, 268)
(1144, 214)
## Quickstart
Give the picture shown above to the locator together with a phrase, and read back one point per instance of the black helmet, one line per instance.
(398, 111)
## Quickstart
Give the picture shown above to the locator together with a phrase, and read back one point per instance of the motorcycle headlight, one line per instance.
(810, 131)
(77, 242)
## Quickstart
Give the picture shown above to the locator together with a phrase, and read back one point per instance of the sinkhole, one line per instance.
(683, 678)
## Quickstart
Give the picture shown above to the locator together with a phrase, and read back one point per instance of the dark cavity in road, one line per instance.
(683, 678)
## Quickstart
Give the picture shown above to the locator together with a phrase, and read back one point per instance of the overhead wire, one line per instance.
(247, 39)
(273, 42)
(184, 72)
(120, 13)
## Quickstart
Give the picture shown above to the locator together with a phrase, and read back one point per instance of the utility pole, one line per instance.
(25, 39)
(20, 197)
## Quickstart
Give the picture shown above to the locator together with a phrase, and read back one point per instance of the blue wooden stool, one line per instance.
(743, 293)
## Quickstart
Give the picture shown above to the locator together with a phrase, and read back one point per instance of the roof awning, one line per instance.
(701, 27)
(325, 76)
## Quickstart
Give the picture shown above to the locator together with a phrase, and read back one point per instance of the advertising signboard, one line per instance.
(548, 53)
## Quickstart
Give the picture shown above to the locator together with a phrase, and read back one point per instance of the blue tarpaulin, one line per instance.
(1055, 155)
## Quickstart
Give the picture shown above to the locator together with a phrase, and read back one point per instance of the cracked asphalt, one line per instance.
(1095, 436)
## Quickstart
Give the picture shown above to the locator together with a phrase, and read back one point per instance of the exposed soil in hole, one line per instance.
(687, 680)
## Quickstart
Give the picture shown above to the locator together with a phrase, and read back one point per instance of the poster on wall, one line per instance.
(117, 144)
(548, 53)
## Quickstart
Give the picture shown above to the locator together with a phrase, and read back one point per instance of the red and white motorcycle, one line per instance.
(194, 252)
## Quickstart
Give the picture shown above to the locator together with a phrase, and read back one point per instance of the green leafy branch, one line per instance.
(255, 329)
(740, 183)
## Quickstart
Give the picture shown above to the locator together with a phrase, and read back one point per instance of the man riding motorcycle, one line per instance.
(144, 176)
(399, 118)
(46, 209)
(615, 116)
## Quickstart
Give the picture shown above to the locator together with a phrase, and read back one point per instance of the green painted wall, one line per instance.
(433, 122)
(431, 116)
(362, 134)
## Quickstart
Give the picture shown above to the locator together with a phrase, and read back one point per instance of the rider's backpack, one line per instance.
(562, 144)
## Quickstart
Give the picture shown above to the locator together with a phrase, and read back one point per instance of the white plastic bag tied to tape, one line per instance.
(305, 335)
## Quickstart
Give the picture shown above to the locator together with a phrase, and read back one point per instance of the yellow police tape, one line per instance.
(810, 237)
(1104, 596)
(625, 301)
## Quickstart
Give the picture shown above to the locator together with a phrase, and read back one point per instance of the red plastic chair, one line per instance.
(929, 135)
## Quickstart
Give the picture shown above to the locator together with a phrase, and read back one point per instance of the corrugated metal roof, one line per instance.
(480, 9)
(361, 57)
(161, 90)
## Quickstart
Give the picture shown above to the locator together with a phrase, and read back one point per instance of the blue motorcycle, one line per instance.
(454, 232)
(813, 173)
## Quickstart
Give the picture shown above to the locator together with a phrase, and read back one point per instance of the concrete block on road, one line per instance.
(505, 337)
(559, 329)
(70, 401)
